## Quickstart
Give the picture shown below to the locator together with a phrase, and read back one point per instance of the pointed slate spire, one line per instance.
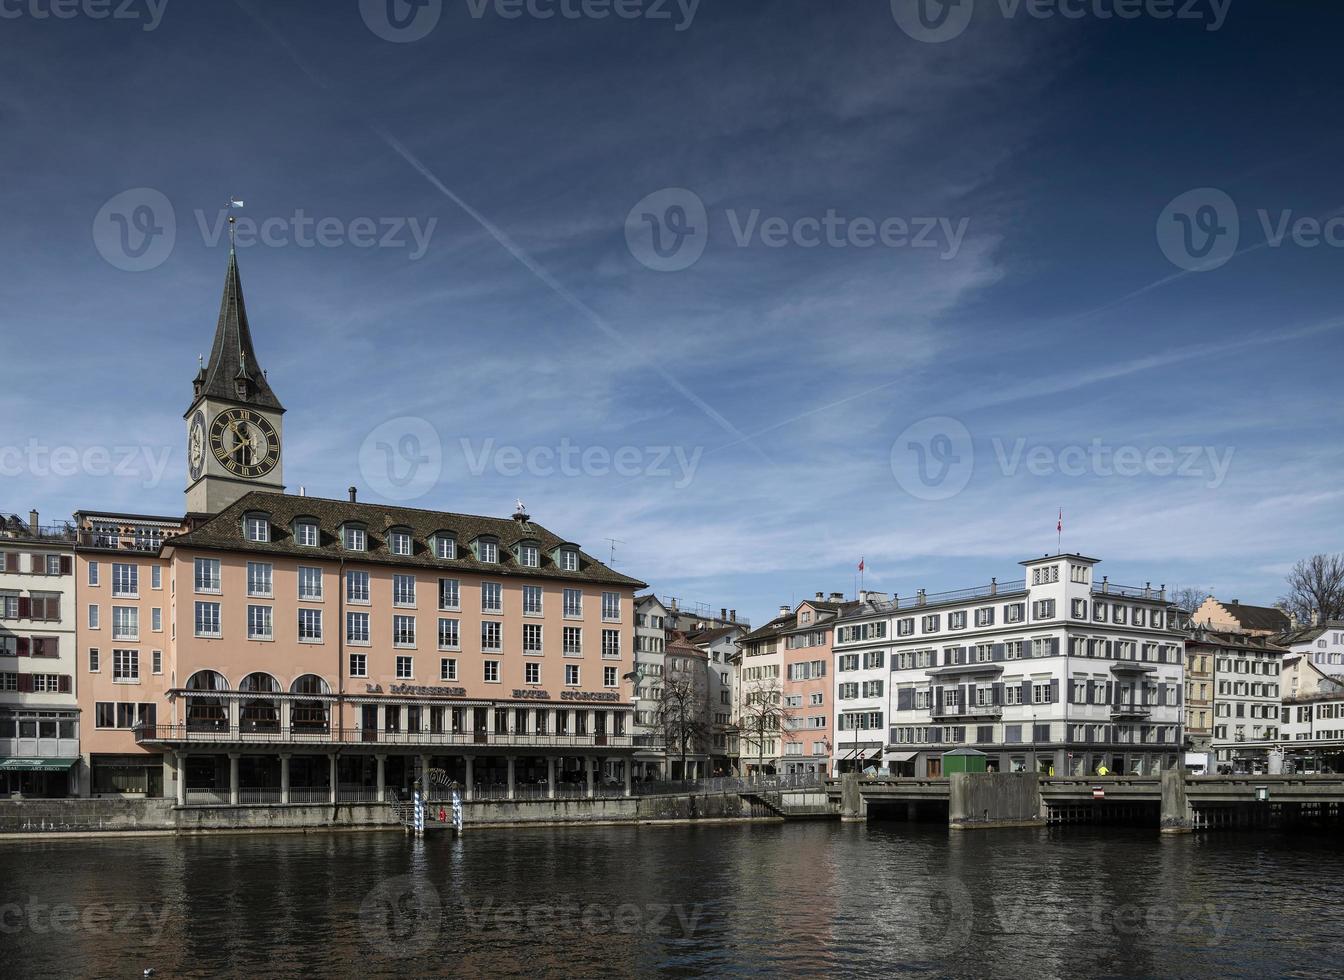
(231, 373)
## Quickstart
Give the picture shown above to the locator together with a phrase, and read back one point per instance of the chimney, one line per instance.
(994, 585)
(723, 612)
(820, 596)
(354, 494)
(919, 597)
(784, 610)
(732, 615)
(32, 521)
(1316, 618)
(1236, 602)
(837, 597)
(303, 491)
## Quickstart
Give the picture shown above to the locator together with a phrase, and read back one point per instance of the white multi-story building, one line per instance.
(1246, 699)
(1322, 644)
(650, 638)
(39, 717)
(1311, 731)
(1051, 673)
(720, 647)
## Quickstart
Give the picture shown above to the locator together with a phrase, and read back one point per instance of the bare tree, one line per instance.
(1315, 585)
(681, 714)
(1188, 598)
(762, 715)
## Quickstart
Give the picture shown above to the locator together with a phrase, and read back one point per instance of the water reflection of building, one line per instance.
(273, 647)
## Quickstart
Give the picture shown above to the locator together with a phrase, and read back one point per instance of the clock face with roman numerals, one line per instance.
(244, 442)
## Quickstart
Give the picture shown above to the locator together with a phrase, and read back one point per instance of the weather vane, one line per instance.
(233, 204)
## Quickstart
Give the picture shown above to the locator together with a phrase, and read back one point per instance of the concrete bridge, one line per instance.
(1174, 801)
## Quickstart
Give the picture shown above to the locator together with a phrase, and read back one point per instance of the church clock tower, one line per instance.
(234, 425)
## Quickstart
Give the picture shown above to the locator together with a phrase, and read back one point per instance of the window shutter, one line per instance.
(63, 684)
(67, 564)
(1072, 689)
(25, 607)
(1026, 691)
(1054, 646)
(970, 694)
(25, 683)
(1054, 690)
(998, 694)
(22, 643)
(998, 652)
(1109, 692)
(905, 699)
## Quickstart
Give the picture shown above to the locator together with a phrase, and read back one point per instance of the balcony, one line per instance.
(949, 711)
(1129, 711)
(318, 738)
(16, 529)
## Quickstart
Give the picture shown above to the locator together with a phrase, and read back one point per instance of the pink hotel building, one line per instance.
(268, 647)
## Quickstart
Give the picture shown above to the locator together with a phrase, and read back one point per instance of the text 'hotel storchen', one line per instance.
(1054, 673)
(272, 647)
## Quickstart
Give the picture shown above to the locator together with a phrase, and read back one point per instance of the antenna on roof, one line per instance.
(611, 558)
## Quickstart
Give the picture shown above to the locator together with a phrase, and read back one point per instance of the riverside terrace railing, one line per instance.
(338, 737)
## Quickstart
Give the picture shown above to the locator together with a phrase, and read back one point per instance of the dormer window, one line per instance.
(353, 538)
(569, 559)
(529, 555)
(445, 547)
(305, 533)
(399, 541)
(257, 527)
(487, 550)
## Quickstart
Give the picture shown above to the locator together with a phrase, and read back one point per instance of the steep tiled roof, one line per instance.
(232, 357)
(1256, 617)
(1210, 637)
(1308, 634)
(224, 531)
(711, 635)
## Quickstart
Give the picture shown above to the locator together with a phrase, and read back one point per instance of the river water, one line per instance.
(681, 901)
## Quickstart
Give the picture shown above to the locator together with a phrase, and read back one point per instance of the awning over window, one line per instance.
(20, 764)
(901, 756)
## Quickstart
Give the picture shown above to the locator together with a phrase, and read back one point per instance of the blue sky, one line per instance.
(791, 399)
